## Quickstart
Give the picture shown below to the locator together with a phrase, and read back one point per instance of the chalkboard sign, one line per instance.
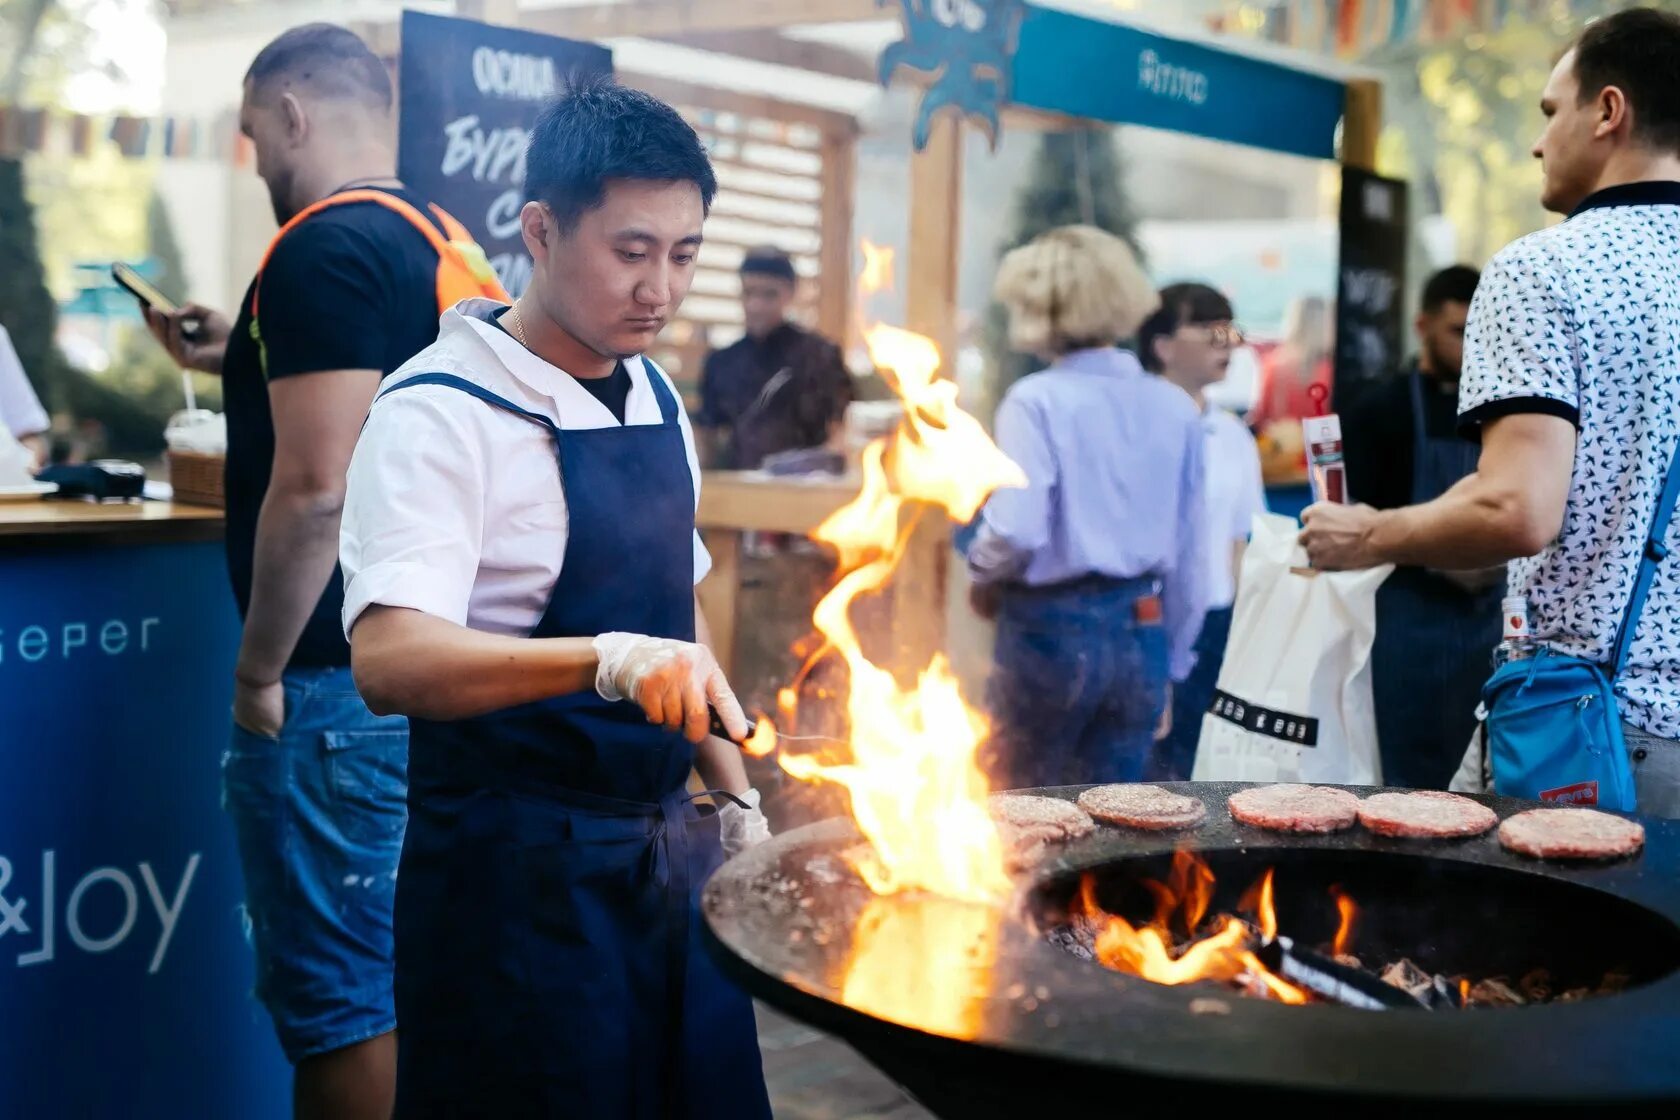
(1371, 280)
(470, 94)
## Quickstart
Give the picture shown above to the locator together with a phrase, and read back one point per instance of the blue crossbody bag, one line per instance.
(1554, 732)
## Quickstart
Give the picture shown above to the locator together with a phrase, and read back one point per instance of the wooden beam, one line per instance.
(643, 18)
(835, 267)
(1362, 123)
(935, 235)
(766, 45)
(931, 309)
(677, 91)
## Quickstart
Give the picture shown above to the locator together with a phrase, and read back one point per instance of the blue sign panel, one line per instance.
(1088, 68)
(125, 977)
(470, 94)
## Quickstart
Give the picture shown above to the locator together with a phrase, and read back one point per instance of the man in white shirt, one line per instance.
(1572, 380)
(20, 409)
(519, 555)
(1189, 343)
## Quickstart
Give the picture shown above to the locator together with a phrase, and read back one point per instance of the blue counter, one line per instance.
(124, 974)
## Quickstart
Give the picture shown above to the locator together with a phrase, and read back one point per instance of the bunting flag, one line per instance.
(1352, 27)
(1347, 27)
(44, 131)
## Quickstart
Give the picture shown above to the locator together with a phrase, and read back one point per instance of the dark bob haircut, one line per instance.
(1181, 305)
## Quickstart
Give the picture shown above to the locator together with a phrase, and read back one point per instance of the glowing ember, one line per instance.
(916, 790)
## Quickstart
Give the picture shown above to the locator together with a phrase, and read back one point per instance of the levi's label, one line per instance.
(1581, 793)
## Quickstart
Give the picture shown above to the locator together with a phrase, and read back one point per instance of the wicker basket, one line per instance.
(197, 479)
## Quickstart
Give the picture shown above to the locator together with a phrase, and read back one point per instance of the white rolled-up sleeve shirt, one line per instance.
(455, 506)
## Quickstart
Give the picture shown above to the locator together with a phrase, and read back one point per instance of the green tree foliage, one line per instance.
(27, 310)
(1076, 179)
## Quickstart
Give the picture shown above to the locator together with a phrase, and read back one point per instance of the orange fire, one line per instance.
(1223, 955)
(762, 740)
(916, 789)
(923, 960)
(1349, 915)
(877, 274)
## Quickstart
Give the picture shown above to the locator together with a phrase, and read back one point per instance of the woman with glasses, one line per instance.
(1189, 343)
(1094, 570)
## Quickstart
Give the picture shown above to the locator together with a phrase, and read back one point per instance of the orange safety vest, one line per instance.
(463, 271)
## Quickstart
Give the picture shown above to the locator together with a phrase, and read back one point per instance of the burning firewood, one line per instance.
(1495, 993)
(1405, 975)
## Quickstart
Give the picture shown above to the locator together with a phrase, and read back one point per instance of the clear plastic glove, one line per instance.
(742, 828)
(671, 681)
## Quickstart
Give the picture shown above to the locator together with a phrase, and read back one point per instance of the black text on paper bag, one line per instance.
(1291, 728)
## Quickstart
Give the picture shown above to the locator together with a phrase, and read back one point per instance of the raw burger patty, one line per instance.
(1571, 834)
(1140, 806)
(1425, 814)
(1296, 808)
(1029, 824)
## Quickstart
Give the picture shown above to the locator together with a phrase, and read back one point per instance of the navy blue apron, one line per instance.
(548, 961)
(1433, 637)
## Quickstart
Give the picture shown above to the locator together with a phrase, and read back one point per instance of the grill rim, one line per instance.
(1614, 1049)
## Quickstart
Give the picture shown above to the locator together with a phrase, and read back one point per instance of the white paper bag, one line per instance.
(17, 465)
(1294, 696)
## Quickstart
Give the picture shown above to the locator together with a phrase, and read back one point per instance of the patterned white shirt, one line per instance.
(1582, 321)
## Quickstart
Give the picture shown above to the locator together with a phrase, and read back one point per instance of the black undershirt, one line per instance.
(612, 390)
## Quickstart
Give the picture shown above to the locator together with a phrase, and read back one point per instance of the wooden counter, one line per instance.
(101, 523)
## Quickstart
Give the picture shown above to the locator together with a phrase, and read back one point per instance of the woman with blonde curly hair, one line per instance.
(1094, 570)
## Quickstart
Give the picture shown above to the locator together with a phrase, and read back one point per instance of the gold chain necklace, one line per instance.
(517, 323)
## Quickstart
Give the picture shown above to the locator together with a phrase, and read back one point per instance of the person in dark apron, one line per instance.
(548, 939)
(1435, 629)
(1435, 633)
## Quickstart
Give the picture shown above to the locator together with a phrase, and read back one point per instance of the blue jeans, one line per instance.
(1175, 756)
(319, 815)
(1078, 685)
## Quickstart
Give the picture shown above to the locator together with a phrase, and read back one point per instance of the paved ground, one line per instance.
(813, 1076)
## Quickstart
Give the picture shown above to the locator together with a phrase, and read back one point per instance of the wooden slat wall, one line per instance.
(783, 180)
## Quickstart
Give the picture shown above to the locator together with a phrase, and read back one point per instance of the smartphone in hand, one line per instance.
(148, 295)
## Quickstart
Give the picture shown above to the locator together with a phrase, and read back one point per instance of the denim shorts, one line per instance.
(319, 816)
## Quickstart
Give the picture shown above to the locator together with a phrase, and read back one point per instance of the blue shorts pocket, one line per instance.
(367, 775)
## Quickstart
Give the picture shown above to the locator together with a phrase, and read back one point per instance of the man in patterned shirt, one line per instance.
(1572, 381)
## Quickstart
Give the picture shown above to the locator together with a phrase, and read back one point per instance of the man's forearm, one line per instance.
(1472, 525)
(296, 551)
(415, 664)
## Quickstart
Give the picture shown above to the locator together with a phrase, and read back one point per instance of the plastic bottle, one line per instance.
(1518, 643)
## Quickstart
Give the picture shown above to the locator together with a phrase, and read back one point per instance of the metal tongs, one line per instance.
(1330, 979)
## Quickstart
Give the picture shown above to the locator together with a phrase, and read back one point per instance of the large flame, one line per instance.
(917, 792)
(923, 960)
